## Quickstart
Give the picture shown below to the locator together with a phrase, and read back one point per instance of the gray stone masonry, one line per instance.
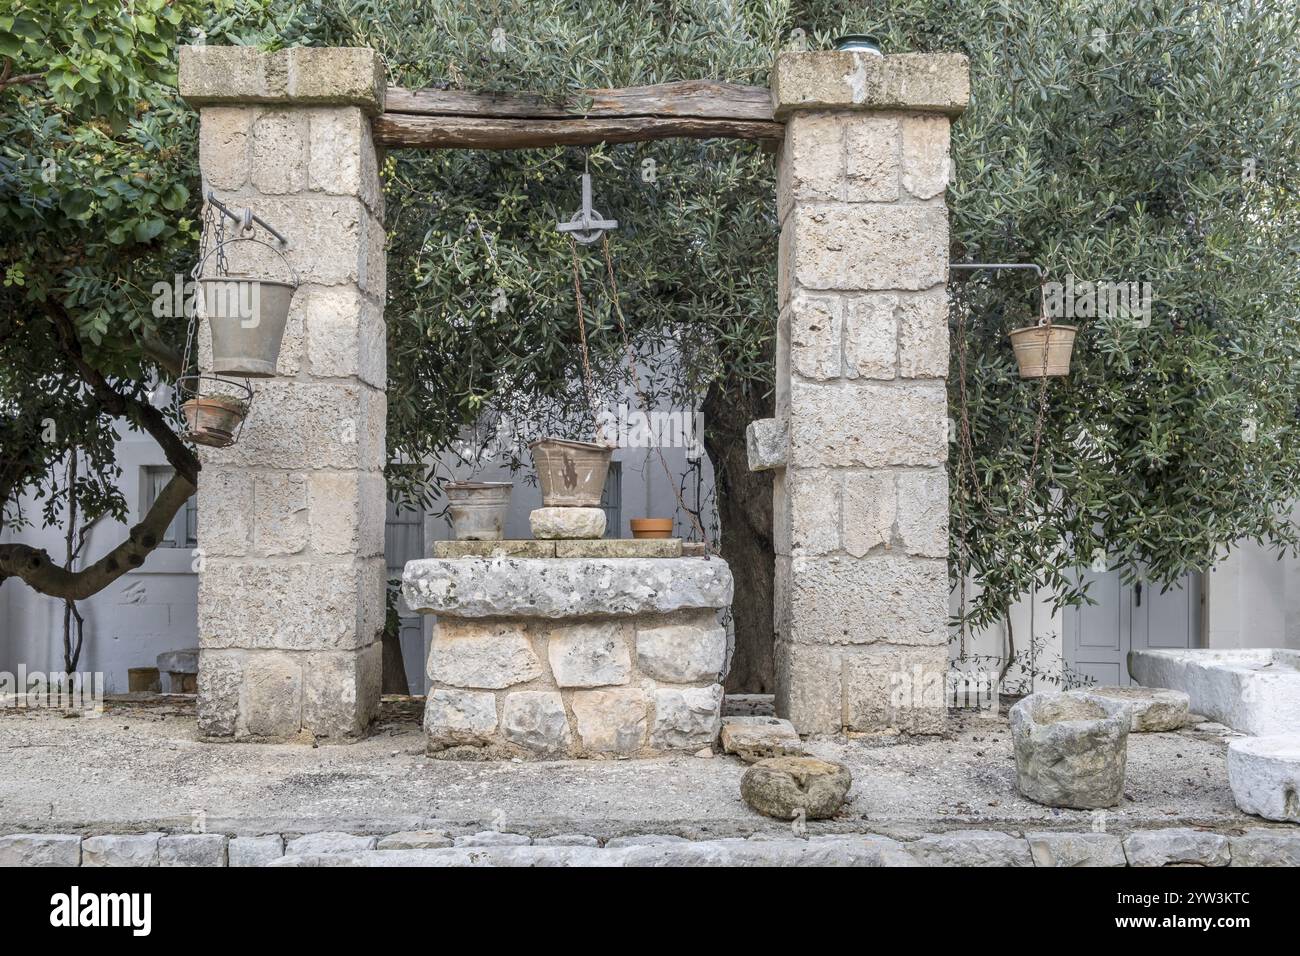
(291, 573)
(858, 446)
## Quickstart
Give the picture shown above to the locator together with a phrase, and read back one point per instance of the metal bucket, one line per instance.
(571, 473)
(1043, 350)
(478, 509)
(247, 317)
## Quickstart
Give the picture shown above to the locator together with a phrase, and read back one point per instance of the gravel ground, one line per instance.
(141, 766)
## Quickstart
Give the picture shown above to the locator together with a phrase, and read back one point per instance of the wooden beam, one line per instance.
(702, 99)
(397, 130)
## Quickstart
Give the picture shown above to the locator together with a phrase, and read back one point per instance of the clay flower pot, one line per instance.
(571, 473)
(652, 527)
(213, 419)
(478, 509)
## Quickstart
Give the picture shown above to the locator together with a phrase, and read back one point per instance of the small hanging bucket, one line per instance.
(215, 409)
(1043, 350)
(247, 315)
(571, 473)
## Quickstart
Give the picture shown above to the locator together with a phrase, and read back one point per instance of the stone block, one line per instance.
(812, 497)
(280, 512)
(523, 548)
(923, 334)
(909, 244)
(971, 848)
(225, 142)
(1152, 709)
(687, 718)
(809, 691)
(567, 839)
(192, 849)
(342, 155)
(137, 849)
(488, 654)
(562, 588)
(493, 838)
(415, 840)
(254, 850)
(610, 721)
(868, 424)
(873, 149)
(345, 512)
(871, 336)
(845, 80)
(765, 445)
(279, 151)
(881, 598)
(589, 654)
(1252, 690)
(334, 76)
(40, 849)
(923, 512)
(345, 333)
(1053, 848)
(757, 738)
(458, 717)
(329, 842)
(811, 165)
(225, 500)
(1266, 848)
(1175, 846)
(816, 330)
(895, 688)
(341, 691)
(620, 548)
(565, 523)
(536, 720)
(870, 510)
(682, 653)
(925, 155)
(1264, 774)
(220, 675)
(788, 788)
(271, 695)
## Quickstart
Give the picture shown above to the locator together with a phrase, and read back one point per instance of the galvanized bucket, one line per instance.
(478, 509)
(1043, 350)
(571, 473)
(247, 315)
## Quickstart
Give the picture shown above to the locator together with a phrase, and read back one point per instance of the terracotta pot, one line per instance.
(213, 419)
(478, 509)
(1036, 342)
(571, 473)
(652, 527)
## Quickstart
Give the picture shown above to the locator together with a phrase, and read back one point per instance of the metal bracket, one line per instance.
(587, 225)
(245, 217)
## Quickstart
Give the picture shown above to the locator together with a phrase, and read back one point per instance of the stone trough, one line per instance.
(1070, 751)
(572, 657)
(1254, 691)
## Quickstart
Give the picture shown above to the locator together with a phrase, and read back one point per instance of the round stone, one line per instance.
(1070, 751)
(1152, 709)
(567, 523)
(782, 787)
(1264, 774)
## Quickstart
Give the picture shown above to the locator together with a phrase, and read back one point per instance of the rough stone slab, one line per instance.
(971, 848)
(335, 76)
(1254, 691)
(589, 654)
(620, 548)
(454, 718)
(329, 842)
(192, 849)
(535, 719)
(757, 738)
(1266, 848)
(682, 653)
(493, 838)
(765, 445)
(522, 548)
(909, 243)
(1055, 848)
(643, 839)
(567, 523)
(568, 587)
(40, 849)
(254, 850)
(1176, 846)
(610, 721)
(567, 839)
(1264, 773)
(844, 80)
(1153, 709)
(121, 850)
(787, 787)
(488, 655)
(686, 719)
(415, 840)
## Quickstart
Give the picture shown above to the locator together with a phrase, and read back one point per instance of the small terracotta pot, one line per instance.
(213, 419)
(652, 527)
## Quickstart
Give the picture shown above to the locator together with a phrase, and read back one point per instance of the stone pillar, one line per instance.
(291, 518)
(859, 445)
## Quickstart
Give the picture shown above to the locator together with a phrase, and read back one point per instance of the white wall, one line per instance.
(1253, 599)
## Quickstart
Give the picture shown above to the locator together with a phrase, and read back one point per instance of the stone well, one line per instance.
(573, 657)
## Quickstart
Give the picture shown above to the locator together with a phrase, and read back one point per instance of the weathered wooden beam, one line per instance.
(396, 130)
(703, 99)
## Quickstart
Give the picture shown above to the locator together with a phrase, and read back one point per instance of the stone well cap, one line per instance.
(323, 76)
(840, 80)
(564, 587)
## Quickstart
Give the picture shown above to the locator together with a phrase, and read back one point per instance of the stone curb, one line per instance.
(1160, 847)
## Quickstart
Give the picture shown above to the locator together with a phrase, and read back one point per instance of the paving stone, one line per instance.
(255, 850)
(329, 842)
(1054, 848)
(493, 838)
(757, 738)
(1176, 846)
(1266, 848)
(415, 840)
(643, 839)
(192, 849)
(121, 850)
(567, 839)
(971, 848)
(40, 849)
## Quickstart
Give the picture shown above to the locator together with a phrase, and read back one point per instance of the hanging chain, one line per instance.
(587, 382)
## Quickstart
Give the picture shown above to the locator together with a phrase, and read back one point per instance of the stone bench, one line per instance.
(573, 657)
(1254, 691)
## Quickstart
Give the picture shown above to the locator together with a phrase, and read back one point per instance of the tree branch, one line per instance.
(35, 567)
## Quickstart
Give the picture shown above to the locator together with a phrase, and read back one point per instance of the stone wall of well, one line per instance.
(291, 518)
(861, 434)
(573, 657)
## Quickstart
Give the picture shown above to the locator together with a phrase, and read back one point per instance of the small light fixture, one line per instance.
(859, 43)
